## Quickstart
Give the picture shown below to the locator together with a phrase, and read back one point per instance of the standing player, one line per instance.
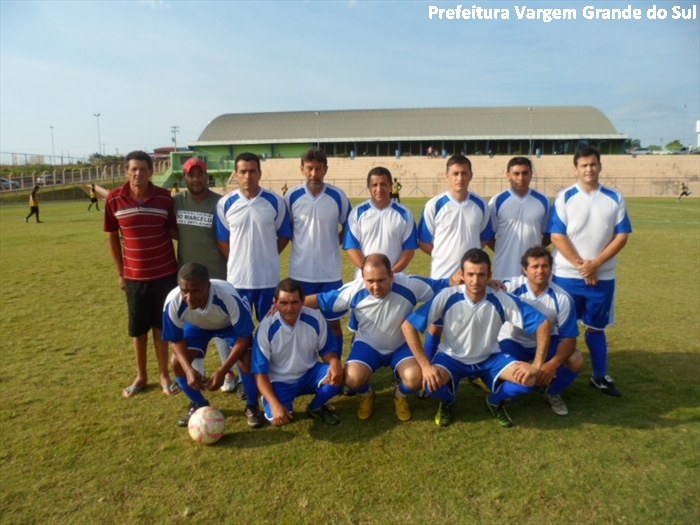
(33, 204)
(196, 311)
(285, 358)
(194, 211)
(564, 360)
(519, 217)
(145, 260)
(473, 317)
(589, 226)
(379, 225)
(451, 224)
(316, 211)
(93, 198)
(380, 300)
(395, 190)
(252, 228)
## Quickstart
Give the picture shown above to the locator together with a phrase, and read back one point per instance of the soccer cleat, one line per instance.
(403, 411)
(184, 420)
(366, 408)
(443, 418)
(240, 394)
(606, 385)
(499, 413)
(324, 414)
(253, 416)
(230, 383)
(557, 404)
(347, 391)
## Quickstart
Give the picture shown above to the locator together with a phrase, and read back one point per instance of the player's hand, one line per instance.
(525, 373)
(216, 380)
(122, 284)
(588, 269)
(497, 285)
(456, 279)
(431, 378)
(272, 310)
(280, 415)
(592, 280)
(194, 379)
(335, 373)
(547, 374)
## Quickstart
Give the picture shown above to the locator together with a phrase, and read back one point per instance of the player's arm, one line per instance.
(564, 245)
(566, 347)
(280, 414)
(546, 240)
(239, 351)
(355, 256)
(224, 247)
(427, 247)
(311, 301)
(404, 259)
(194, 378)
(589, 267)
(282, 243)
(543, 335)
(115, 250)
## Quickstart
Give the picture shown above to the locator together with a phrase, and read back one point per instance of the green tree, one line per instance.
(674, 145)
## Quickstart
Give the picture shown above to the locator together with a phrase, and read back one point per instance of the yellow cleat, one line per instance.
(366, 408)
(403, 411)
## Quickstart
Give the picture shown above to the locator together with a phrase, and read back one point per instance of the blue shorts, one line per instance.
(595, 305)
(309, 383)
(259, 300)
(523, 353)
(316, 288)
(363, 353)
(488, 370)
(198, 338)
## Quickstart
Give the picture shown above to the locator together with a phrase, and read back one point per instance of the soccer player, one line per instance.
(252, 229)
(519, 217)
(684, 191)
(33, 204)
(395, 190)
(194, 211)
(317, 212)
(452, 223)
(287, 346)
(379, 225)
(589, 226)
(140, 221)
(196, 311)
(93, 198)
(380, 300)
(472, 316)
(564, 360)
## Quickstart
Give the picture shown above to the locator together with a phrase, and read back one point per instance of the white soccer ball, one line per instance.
(207, 425)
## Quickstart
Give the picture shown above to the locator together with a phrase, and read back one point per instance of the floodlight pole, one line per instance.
(53, 153)
(685, 110)
(318, 129)
(174, 130)
(99, 142)
(530, 147)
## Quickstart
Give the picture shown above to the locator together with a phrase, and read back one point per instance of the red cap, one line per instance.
(191, 163)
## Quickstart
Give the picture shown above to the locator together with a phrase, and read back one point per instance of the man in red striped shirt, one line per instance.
(141, 224)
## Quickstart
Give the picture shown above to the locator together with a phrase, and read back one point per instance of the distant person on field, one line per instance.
(194, 211)
(196, 311)
(93, 198)
(684, 191)
(140, 221)
(589, 226)
(285, 189)
(396, 188)
(175, 189)
(286, 354)
(33, 204)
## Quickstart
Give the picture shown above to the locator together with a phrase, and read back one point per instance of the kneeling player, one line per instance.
(198, 310)
(563, 360)
(285, 358)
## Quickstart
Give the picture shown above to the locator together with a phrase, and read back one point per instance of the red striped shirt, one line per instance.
(145, 226)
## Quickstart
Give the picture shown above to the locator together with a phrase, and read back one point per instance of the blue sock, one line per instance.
(443, 394)
(564, 379)
(339, 345)
(195, 395)
(509, 390)
(405, 390)
(363, 389)
(598, 347)
(323, 395)
(431, 344)
(250, 387)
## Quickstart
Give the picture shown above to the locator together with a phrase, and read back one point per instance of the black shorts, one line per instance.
(145, 301)
(93, 200)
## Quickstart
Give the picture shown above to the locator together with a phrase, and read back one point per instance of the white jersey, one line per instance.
(554, 303)
(453, 227)
(315, 244)
(389, 231)
(470, 331)
(518, 223)
(377, 322)
(590, 221)
(286, 352)
(225, 308)
(251, 227)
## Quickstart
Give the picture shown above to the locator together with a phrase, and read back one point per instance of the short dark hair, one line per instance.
(289, 285)
(519, 161)
(193, 271)
(246, 156)
(458, 159)
(314, 155)
(376, 259)
(379, 171)
(476, 256)
(139, 155)
(588, 151)
(536, 252)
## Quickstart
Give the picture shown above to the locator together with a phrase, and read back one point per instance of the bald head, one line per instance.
(376, 260)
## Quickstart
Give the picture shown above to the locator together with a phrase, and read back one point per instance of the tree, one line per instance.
(633, 144)
(674, 145)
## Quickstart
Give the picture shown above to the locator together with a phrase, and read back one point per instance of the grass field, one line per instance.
(75, 452)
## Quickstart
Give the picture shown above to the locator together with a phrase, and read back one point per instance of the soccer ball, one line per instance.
(207, 425)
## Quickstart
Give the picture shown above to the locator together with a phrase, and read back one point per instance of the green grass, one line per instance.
(74, 451)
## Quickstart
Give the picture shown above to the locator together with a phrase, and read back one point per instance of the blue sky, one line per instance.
(147, 66)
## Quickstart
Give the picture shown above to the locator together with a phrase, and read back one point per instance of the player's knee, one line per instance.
(575, 361)
(356, 375)
(411, 377)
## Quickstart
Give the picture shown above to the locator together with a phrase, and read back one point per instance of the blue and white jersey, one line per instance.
(453, 227)
(389, 231)
(251, 227)
(377, 322)
(224, 308)
(286, 352)
(470, 331)
(518, 223)
(590, 221)
(315, 244)
(554, 303)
